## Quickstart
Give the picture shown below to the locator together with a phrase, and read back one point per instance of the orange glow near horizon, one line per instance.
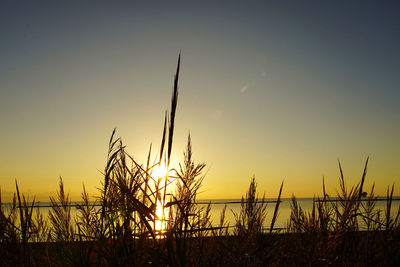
(268, 95)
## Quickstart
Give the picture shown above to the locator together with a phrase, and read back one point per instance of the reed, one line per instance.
(344, 231)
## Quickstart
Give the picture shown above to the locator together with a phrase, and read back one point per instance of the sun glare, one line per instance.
(160, 173)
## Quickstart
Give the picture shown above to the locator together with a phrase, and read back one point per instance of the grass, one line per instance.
(124, 225)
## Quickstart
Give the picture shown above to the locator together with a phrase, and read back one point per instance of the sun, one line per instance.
(160, 171)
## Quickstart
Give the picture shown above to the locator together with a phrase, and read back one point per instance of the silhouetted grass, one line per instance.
(120, 227)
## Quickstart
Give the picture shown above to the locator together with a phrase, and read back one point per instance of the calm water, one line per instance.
(218, 205)
(283, 213)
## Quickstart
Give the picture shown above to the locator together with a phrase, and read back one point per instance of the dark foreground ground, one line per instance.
(319, 249)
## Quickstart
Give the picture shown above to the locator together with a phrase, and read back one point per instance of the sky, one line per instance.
(279, 90)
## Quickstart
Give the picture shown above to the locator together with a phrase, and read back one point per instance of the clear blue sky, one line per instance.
(275, 89)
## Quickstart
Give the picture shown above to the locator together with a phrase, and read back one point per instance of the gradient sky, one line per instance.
(275, 89)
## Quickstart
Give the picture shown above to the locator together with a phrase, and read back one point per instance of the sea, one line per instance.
(233, 206)
(284, 211)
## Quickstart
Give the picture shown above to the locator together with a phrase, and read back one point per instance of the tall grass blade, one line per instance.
(276, 209)
(174, 102)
